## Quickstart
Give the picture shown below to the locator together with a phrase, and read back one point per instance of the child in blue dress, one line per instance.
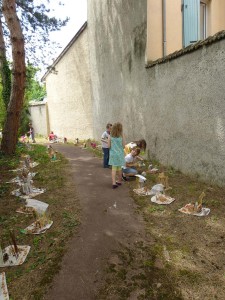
(116, 153)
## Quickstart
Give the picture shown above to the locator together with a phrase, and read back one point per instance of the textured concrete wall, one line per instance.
(69, 93)
(38, 115)
(178, 107)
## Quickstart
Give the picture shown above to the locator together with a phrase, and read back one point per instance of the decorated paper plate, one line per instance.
(35, 193)
(204, 212)
(39, 206)
(162, 199)
(34, 229)
(142, 191)
(3, 287)
(11, 258)
(34, 164)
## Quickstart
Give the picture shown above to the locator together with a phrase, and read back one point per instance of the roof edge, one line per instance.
(51, 67)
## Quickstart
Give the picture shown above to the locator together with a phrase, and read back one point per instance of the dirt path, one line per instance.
(108, 219)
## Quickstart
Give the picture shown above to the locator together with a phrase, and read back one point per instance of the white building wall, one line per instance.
(39, 117)
(69, 93)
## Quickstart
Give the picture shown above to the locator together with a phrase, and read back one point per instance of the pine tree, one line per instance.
(25, 24)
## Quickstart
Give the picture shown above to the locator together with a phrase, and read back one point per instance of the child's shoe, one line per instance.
(124, 177)
(119, 183)
(114, 186)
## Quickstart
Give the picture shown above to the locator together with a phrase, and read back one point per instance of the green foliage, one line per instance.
(34, 91)
(37, 21)
(5, 89)
(7, 80)
(153, 209)
(2, 109)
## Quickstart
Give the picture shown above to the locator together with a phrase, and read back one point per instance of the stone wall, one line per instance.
(69, 92)
(39, 117)
(178, 106)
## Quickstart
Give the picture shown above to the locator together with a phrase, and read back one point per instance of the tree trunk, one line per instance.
(4, 69)
(10, 131)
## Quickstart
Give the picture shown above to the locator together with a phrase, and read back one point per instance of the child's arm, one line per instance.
(140, 158)
(105, 140)
(133, 164)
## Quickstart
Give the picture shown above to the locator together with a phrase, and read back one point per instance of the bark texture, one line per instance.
(10, 131)
(4, 69)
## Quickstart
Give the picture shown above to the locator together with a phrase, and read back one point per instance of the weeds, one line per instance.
(46, 249)
(4, 188)
(153, 209)
(69, 221)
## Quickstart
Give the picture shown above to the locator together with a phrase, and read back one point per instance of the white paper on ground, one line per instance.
(3, 287)
(157, 188)
(38, 231)
(35, 193)
(16, 193)
(17, 179)
(16, 170)
(142, 192)
(141, 178)
(25, 210)
(34, 164)
(168, 201)
(204, 212)
(39, 206)
(13, 260)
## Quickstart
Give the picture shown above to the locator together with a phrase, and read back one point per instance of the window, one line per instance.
(203, 17)
(191, 15)
(194, 21)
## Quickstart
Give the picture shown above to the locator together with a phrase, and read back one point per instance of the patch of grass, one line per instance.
(193, 187)
(190, 276)
(213, 203)
(69, 221)
(37, 240)
(141, 201)
(121, 274)
(157, 249)
(148, 263)
(172, 171)
(214, 218)
(97, 152)
(4, 188)
(111, 268)
(3, 219)
(152, 209)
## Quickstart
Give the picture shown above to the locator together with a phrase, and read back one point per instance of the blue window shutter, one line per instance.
(191, 13)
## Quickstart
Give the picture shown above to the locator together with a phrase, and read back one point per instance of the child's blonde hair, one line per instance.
(117, 130)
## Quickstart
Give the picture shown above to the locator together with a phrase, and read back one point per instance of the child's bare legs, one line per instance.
(120, 176)
(113, 176)
(114, 185)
